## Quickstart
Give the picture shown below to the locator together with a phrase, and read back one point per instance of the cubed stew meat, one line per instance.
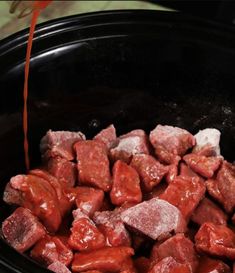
(135, 203)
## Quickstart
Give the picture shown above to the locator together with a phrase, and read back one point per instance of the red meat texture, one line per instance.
(58, 267)
(107, 259)
(222, 188)
(22, 229)
(126, 184)
(179, 247)
(93, 164)
(208, 265)
(205, 166)
(216, 240)
(149, 169)
(208, 211)
(51, 249)
(84, 234)
(65, 171)
(64, 203)
(185, 193)
(37, 194)
(89, 200)
(169, 265)
(111, 225)
(170, 143)
(107, 136)
(155, 218)
(142, 264)
(187, 172)
(128, 145)
(172, 173)
(60, 143)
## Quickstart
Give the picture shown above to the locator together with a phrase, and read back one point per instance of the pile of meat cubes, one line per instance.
(161, 203)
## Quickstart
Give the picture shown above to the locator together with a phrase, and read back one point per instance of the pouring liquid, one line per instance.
(38, 7)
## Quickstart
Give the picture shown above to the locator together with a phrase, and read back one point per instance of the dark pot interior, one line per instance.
(131, 68)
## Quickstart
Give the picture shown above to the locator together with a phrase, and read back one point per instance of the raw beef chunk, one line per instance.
(156, 192)
(111, 225)
(170, 265)
(93, 164)
(84, 233)
(126, 184)
(60, 143)
(179, 247)
(207, 142)
(216, 240)
(107, 259)
(155, 218)
(64, 203)
(172, 173)
(185, 193)
(39, 196)
(51, 249)
(208, 265)
(149, 169)
(107, 136)
(128, 266)
(142, 264)
(88, 199)
(58, 267)
(171, 143)
(187, 172)
(208, 211)
(22, 229)
(205, 166)
(135, 142)
(222, 188)
(63, 170)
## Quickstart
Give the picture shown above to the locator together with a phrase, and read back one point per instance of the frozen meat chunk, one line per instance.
(155, 218)
(58, 267)
(111, 225)
(22, 229)
(132, 143)
(207, 142)
(170, 143)
(60, 143)
(107, 136)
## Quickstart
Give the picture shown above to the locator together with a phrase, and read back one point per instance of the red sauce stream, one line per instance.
(38, 6)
